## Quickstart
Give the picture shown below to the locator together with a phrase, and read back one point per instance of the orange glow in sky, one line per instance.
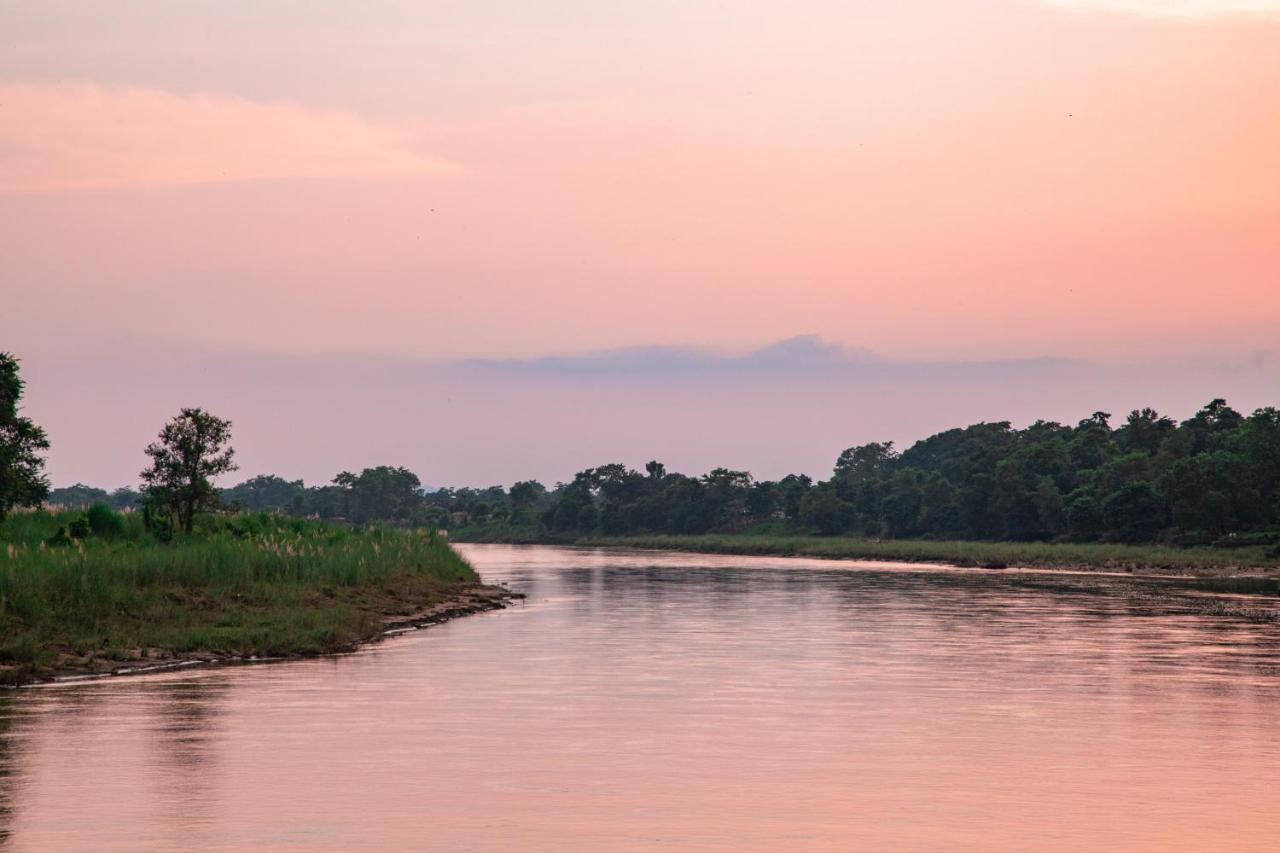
(437, 181)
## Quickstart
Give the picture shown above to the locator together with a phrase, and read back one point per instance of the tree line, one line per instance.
(1212, 477)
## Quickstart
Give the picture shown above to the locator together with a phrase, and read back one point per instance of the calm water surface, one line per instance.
(682, 702)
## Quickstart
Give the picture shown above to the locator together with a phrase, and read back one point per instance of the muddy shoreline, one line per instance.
(472, 599)
(1226, 576)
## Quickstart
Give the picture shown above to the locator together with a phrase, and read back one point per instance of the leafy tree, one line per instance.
(725, 493)
(1084, 515)
(525, 498)
(687, 508)
(1133, 514)
(763, 499)
(1144, 431)
(1092, 443)
(192, 450)
(857, 476)
(384, 493)
(573, 509)
(903, 503)
(939, 513)
(22, 480)
(1050, 507)
(791, 491)
(825, 512)
(267, 491)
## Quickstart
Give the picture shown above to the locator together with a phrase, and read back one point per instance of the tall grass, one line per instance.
(1151, 558)
(250, 584)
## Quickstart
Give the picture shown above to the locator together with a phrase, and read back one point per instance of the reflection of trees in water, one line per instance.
(25, 719)
(1119, 629)
(178, 722)
(185, 743)
(8, 766)
(183, 718)
(185, 712)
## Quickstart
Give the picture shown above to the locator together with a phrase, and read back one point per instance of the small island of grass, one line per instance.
(97, 592)
(184, 577)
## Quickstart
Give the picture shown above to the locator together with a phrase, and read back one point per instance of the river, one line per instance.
(657, 701)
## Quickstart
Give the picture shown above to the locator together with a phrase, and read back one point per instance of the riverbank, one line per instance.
(75, 601)
(1204, 563)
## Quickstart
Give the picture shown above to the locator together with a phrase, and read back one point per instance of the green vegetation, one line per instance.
(80, 496)
(82, 590)
(384, 494)
(227, 573)
(1203, 494)
(91, 589)
(1211, 480)
(192, 450)
(1091, 555)
(22, 480)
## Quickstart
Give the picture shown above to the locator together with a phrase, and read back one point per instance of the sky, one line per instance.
(492, 241)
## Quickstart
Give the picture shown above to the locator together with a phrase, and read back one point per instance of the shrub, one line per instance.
(79, 528)
(60, 539)
(105, 522)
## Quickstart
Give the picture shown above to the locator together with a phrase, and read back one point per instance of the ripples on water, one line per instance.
(668, 701)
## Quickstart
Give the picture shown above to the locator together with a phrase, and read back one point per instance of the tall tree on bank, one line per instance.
(193, 448)
(22, 480)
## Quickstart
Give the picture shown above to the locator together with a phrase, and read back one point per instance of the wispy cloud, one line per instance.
(799, 351)
(1187, 9)
(63, 136)
(803, 354)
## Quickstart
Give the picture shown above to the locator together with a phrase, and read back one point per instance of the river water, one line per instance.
(650, 701)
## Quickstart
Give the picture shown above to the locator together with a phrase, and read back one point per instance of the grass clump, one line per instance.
(250, 584)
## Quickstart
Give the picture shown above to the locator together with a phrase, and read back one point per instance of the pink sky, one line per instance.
(428, 182)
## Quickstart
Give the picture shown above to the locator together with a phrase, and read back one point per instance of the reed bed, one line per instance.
(243, 585)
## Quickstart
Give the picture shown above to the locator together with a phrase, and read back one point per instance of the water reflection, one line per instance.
(184, 741)
(641, 701)
(9, 765)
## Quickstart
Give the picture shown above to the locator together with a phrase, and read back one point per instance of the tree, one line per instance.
(22, 480)
(823, 510)
(191, 451)
(1092, 444)
(1133, 514)
(78, 495)
(573, 509)
(1144, 431)
(725, 493)
(903, 503)
(383, 493)
(525, 496)
(791, 491)
(267, 491)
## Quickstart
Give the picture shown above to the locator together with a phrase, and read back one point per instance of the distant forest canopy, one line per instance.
(1213, 476)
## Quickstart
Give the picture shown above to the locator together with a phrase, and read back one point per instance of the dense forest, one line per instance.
(1213, 477)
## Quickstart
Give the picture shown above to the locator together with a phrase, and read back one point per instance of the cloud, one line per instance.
(805, 351)
(1187, 9)
(800, 355)
(67, 136)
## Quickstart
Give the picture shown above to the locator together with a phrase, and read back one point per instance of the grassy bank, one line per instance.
(243, 585)
(1208, 562)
